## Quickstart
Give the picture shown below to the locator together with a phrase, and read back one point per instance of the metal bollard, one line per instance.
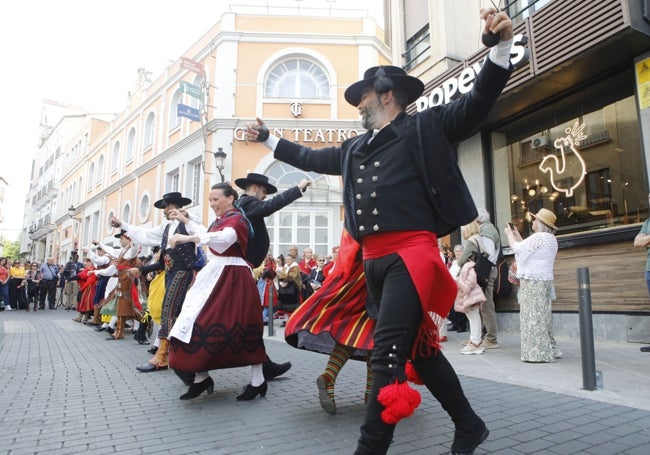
(270, 317)
(586, 330)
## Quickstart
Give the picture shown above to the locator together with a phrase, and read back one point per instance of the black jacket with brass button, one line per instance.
(406, 177)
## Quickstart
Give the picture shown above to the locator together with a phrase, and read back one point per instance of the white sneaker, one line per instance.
(487, 344)
(472, 348)
(558, 354)
(7, 308)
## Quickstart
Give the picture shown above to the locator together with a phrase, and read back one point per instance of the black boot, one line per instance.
(186, 377)
(141, 334)
(441, 380)
(376, 435)
(272, 370)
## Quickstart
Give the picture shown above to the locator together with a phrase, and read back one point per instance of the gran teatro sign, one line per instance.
(463, 83)
(306, 135)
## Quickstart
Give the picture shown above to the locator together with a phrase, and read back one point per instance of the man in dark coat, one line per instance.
(401, 189)
(256, 187)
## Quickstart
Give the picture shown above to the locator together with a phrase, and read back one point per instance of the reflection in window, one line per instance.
(297, 78)
(598, 182)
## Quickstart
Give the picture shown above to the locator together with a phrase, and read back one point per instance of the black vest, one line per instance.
(181, 257)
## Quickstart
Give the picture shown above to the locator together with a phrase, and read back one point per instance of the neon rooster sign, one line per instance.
(569, 163)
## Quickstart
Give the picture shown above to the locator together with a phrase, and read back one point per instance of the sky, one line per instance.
(86, 53)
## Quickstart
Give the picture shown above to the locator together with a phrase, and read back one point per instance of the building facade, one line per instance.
(570, 133)
(290, 70)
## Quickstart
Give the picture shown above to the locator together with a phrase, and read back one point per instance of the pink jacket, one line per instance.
(469, 292)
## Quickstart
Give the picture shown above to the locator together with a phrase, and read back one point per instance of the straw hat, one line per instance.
(547, 217)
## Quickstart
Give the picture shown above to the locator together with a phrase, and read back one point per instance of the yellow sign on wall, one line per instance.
(643, 82)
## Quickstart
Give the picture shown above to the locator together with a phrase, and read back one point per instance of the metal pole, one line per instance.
(586, 330)
(269, 317)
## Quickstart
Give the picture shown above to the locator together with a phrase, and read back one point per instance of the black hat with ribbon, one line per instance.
(383, 79)
(174, 198)
(256, 179)
(121, 234)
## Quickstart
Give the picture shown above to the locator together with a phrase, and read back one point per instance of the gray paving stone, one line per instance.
(71, 391)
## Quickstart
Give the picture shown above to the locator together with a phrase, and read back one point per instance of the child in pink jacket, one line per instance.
(469, 299)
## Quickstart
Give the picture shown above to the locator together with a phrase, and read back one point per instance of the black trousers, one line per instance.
(48, 289)
(398, 319)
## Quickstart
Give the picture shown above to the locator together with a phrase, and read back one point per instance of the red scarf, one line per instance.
(433, 282)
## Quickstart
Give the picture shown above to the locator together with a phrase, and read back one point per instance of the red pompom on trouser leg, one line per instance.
(399, 401)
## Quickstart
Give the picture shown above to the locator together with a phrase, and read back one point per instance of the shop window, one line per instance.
(578, 158)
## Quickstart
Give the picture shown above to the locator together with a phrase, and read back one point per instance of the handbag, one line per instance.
(512, 274)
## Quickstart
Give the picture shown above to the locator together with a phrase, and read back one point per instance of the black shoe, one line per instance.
(198, 388)
(251, 392)
(453, 328)
(461, 329)
(140, 338)
(645, 349)
(272, 370)
(460, 448)
(100, 328)
(110, 329)
(150, 367)
(152, 350)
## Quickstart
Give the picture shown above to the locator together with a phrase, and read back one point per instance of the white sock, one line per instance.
(113, 322)
(157, 342)
(257, 375)
(201, 376)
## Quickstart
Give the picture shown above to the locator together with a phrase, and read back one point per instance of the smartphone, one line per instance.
(511, 226)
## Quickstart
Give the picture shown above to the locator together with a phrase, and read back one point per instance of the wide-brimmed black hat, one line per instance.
(120, 234)
(412, 86)
(256, 179)
(172, 198)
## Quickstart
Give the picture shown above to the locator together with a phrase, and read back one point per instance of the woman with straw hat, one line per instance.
(535, 257)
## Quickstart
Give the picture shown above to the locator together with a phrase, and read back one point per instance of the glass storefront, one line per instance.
(580, 157)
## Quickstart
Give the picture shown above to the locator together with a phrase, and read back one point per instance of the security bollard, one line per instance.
(269, 317)
(586, 330)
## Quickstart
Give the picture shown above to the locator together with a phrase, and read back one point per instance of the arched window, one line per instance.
(149, 128)
(100, 169)
(311, 221)
(115, 158)
(130, 146)
(297, 78)
(174, 119)
(91, 175)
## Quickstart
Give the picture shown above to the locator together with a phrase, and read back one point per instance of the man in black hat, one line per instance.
(178, 263)
(256, 187)
(402, 188)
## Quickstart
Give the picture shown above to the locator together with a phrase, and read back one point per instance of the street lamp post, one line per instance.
(219, 160)
(75, 226)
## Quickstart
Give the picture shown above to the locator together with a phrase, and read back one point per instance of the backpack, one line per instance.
(482, 265)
